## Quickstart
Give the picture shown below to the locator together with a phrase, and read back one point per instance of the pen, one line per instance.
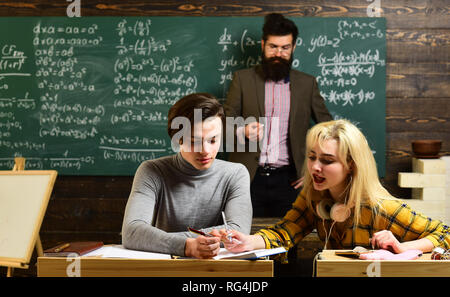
(198, 232)
(226, 227)
(371, 244)
(64, 246)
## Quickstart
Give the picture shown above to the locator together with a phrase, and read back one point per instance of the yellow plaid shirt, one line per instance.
(391, 214)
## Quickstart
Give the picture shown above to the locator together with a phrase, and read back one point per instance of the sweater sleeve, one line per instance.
(137, 230)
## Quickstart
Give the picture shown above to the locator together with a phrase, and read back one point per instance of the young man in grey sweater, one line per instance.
(189, 189)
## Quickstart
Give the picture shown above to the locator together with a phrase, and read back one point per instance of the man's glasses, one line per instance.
(284, 50)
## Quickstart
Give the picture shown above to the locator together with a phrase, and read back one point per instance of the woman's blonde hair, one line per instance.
(355, 154)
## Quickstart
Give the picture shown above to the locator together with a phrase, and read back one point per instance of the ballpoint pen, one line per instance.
(226, 227)
(198, 232)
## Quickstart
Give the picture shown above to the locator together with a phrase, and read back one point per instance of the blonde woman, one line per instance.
(343, 199)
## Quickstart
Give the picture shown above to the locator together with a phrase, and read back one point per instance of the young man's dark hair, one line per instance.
(277, 25)
(186, 106)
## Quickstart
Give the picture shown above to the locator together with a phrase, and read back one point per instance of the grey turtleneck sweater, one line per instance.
(169, 195)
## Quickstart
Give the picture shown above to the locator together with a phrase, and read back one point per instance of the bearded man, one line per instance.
(282, 100)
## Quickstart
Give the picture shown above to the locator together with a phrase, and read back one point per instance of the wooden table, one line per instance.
(328, 264)
(103, 267)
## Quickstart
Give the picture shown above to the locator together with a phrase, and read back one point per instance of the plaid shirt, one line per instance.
(391, 214)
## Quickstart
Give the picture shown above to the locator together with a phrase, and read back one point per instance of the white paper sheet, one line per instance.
(118, 251)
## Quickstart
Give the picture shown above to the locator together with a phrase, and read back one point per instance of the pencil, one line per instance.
(60, 248)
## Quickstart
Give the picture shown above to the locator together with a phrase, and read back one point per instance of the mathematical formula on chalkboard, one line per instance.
(90, 95)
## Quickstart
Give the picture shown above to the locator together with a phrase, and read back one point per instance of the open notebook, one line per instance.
(118, 251)
(250, 255)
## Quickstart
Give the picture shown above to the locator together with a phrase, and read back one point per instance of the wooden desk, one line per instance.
(98, 267)
(328, 264)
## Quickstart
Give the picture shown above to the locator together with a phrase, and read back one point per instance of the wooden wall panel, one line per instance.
(421, 45)
(85, 214)
(417, 80)
(417, 91)
(93, 187)
(400, 14)
(418, 115)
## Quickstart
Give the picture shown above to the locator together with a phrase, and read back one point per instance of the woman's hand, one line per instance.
(202, 247)
(387, 241)
(239, 241)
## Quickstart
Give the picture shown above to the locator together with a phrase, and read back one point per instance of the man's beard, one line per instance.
(276, 68)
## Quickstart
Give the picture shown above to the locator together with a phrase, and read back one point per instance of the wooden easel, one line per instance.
(19, 164)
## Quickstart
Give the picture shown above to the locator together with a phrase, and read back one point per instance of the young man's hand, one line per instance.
(202, 247)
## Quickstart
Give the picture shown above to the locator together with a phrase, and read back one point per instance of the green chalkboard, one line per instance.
(90, 95)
